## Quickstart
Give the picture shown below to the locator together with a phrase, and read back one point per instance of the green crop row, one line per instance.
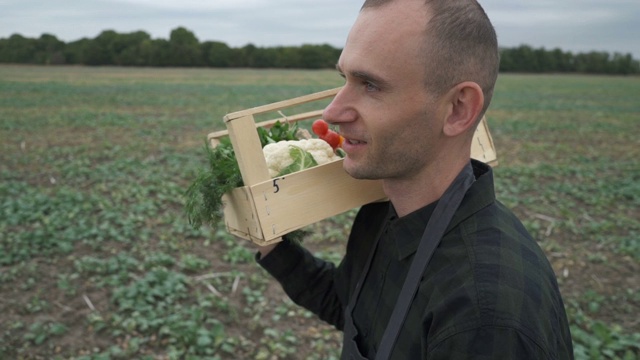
(98, 261)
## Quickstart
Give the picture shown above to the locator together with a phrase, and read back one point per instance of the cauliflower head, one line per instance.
(278, 155)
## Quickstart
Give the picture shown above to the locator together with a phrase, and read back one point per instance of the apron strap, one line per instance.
(438, 223)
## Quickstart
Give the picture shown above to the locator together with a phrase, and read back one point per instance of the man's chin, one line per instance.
(350, 169)
(357, 172)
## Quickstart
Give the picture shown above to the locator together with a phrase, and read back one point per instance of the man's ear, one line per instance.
(467, 101)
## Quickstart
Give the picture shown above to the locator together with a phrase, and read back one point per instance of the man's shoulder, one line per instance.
(508, 279)
(504, 259)
(495, 238)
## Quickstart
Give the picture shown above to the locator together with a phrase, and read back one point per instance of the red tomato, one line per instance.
(333, 138)
(320, 127)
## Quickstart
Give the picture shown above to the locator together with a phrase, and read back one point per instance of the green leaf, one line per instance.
(203, 198)
(278, 132)
(204, 340)
(302, 159)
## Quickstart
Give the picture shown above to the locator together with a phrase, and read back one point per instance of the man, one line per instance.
(419, 75)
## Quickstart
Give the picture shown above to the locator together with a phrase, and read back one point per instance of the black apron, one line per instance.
(438, 223)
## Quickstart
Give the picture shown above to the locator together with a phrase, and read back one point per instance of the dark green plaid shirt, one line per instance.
(488, 292)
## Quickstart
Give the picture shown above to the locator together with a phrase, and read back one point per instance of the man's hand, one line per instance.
(265, 250)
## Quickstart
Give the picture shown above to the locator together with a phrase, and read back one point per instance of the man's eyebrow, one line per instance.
(366, 76)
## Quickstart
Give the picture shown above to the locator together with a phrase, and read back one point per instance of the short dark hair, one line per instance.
(461, 46)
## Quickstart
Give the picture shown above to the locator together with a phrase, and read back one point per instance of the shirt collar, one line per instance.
(406, 232)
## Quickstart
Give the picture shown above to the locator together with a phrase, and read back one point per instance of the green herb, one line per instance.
(278, 132)
(204, 196)
(203, 203)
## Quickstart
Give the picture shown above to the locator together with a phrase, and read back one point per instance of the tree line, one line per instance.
(183, 49)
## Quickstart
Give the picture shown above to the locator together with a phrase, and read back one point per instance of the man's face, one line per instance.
(389, 120)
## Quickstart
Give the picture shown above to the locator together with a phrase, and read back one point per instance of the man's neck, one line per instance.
(409, 195)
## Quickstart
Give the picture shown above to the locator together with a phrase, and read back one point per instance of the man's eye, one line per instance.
(370, 87)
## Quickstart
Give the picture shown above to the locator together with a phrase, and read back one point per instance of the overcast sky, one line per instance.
(571, 25)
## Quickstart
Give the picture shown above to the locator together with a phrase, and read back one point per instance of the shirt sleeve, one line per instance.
(318, 285)
(309, 281)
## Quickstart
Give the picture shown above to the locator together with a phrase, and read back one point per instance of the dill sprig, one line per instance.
(204, 196)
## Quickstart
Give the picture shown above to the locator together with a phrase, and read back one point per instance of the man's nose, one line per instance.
(341, 109)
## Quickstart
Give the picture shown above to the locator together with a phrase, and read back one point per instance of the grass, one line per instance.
(97, 260)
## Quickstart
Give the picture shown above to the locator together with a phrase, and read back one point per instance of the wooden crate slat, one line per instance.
(283, 104)
(295, 200)
(215, 136)
(482, 147)
(240, 214)
(248, 150)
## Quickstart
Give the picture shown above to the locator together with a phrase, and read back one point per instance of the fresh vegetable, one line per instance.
(285, 157)
(278, 132)
(320, 127)
(203, 198)
(332, 138)
(283, 151)
(204, 195)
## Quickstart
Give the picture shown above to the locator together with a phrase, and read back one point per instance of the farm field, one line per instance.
(98, 260)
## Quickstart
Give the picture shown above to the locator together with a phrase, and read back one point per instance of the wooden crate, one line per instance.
(265, 209)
